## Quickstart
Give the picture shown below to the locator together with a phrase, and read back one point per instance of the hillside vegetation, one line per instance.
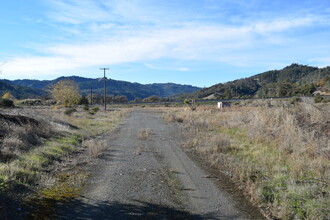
(292, 80)
(20, 92)
(115, 88)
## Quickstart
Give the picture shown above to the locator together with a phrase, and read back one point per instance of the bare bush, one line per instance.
(220, 143)
(144, 133)
(170, 117)
(139, 149)
(95, 147)
(21, 134)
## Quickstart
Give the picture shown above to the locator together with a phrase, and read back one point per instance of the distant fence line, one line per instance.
(211, 100)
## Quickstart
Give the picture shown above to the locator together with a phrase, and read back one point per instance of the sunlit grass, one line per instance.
(271, 152)
(30, 168)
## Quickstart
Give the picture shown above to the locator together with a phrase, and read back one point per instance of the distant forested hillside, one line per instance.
(290, 81)
(114, 87)
(20, 92)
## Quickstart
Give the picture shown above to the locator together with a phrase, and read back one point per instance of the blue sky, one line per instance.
(197, 42)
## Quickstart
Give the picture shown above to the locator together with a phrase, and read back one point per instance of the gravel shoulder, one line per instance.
(145, 174)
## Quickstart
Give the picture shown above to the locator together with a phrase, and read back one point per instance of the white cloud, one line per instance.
(321, 61)
(283, 24)
(133, 33)
(169, 68)
(77, 11)
(37, 66)
(150, 66)
(186, 42)
(183, 69)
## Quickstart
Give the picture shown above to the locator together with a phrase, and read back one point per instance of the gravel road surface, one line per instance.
(145, 174)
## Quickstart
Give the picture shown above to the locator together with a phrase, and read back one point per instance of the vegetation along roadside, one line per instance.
(277, 151)
(40, 148)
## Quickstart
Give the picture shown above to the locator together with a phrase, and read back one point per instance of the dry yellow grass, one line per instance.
(280, 155)
(95, 147)
(144, 133)
(28, 150)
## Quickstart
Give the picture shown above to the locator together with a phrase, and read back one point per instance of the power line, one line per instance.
(105, 88)
(91, 95)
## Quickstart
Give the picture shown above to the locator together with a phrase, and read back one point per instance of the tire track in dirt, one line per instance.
(149, 177)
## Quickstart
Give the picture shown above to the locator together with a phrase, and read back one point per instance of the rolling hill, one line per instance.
(20, 92)
(290, 81)
(114, 87)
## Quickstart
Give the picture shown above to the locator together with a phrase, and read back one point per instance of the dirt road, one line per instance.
(144, 174)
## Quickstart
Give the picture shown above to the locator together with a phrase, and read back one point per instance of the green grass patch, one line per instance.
(271, 152)
(32, 168)
(52, 150)
(280, 182)
(27, 168)
(67, 187)
(4, 185)
(71, 140)
(235, 133)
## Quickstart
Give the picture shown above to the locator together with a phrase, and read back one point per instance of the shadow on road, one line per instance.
(114, 210)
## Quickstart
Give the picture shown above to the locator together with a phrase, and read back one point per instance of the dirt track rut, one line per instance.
(149, 177)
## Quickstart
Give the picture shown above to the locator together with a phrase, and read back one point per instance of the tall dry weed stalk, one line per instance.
(144, 133)
(17, 139)
(95, 147)
(296, 130)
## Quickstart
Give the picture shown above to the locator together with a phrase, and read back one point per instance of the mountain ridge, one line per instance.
(20, 92)
(115, 87)
(295, 79)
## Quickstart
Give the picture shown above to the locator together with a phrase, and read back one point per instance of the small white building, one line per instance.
(221, 105)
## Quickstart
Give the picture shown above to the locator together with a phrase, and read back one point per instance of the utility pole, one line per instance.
(91, 95)
(105, 88)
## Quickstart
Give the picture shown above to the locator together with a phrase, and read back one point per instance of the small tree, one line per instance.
(83, 100)
(120, 99)
(190, 103)
(152, 98)
(6, 103)
(7, 95)
(66, 93)
(318, 98)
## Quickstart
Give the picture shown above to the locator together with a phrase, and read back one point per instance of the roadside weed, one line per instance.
(279, 155)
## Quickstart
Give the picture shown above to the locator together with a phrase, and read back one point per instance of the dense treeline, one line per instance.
(20, 92)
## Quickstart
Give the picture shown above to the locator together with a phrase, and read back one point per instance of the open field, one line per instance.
(277, 151)
(40, 145)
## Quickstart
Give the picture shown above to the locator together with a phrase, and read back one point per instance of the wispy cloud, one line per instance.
(199, 42)
(183, 69)
(77, 12)
(320, 61)
(153, 67)
(116, 32)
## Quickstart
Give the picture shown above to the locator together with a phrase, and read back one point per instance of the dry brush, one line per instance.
(280, 155)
